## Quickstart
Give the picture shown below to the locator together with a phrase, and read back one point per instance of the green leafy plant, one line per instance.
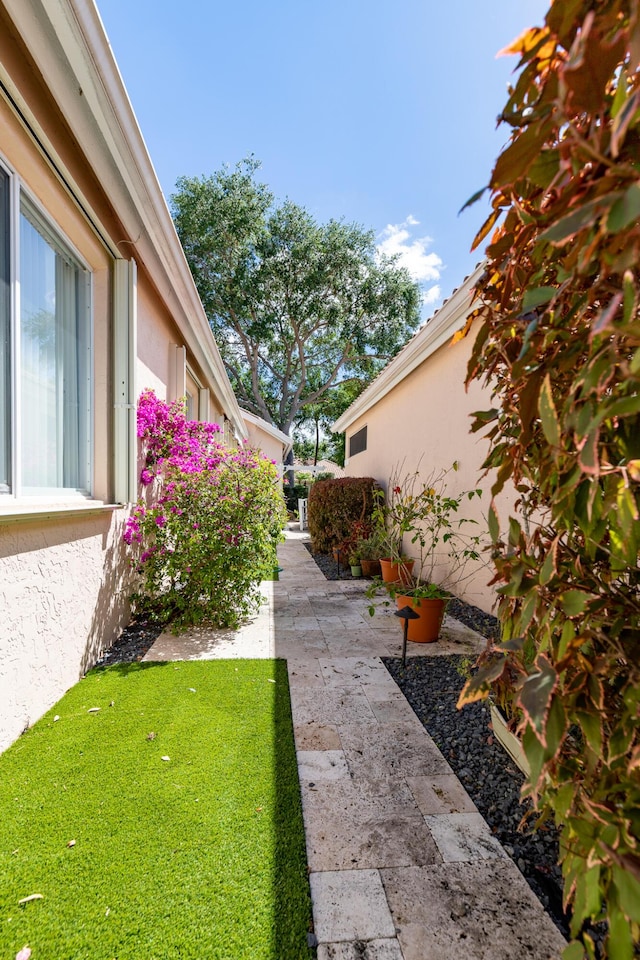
(206, 531)
(370, 547)
(422, 512)
(558, 342)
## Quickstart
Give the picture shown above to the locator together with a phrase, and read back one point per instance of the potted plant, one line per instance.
(354, 563)
(423, 511)
(370, 550)
(388, 531)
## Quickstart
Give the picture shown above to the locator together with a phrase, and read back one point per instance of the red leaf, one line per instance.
(588, 74)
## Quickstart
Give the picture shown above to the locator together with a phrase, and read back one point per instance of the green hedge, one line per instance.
(334, 506)
(292, 494)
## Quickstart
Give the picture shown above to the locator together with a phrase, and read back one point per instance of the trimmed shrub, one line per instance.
(334, 507)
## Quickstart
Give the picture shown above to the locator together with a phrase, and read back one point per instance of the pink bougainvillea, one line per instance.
(207, 528)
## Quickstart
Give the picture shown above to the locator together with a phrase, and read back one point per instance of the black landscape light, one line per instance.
(406, 614)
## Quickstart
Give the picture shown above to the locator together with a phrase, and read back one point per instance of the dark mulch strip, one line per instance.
(329, 567)
(132, 644)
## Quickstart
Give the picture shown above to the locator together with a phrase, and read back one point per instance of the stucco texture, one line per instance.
(63, 594)
(424, 422)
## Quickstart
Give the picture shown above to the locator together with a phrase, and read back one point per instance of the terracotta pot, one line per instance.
(426, 629)
(396, 572)
(370, 568)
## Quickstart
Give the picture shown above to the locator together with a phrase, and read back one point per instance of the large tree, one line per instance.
(297, 307)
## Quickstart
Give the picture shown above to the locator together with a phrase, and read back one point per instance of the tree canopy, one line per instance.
(297, 307)
(559, 344)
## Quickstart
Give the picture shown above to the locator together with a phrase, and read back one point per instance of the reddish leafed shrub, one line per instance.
(335, 506)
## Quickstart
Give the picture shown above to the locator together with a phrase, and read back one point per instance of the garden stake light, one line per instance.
(406, 614)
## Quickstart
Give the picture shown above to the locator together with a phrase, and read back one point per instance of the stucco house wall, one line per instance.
(265, 437)
(417, 416)
(70, 148)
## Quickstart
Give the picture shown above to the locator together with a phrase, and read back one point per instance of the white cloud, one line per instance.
(432, 295)
(425, 267)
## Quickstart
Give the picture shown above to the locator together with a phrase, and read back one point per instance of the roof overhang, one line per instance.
(68, 43)
(269, 429)
(436, 332)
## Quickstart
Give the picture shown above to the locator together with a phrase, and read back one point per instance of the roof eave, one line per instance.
(450, 318)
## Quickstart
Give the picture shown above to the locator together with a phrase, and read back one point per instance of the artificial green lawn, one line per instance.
(199, 856)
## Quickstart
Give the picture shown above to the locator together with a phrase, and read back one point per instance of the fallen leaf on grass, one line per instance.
(151, 736)
(23, 954)
(165, 758)
(33, 896)
(269, 680)
(71, 843)
(192, 689)
(112, 704)
(57, 717)
(93, 710)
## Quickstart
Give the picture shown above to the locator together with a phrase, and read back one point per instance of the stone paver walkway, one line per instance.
(402, 865)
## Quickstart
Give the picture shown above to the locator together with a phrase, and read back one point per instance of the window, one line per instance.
(5, 337)
(45, 355)
(358, 442)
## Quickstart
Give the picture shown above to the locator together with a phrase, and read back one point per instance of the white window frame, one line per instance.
(16, 497)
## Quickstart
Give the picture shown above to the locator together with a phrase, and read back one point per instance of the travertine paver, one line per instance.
(402, 866)
(463, 837)
(361, 950)
(443, 794)
(468, 911)
(350, 905)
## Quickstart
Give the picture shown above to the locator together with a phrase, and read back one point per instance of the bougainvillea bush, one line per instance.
(559, 343)
(205, 531)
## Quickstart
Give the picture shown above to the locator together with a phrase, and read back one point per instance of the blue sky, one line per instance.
(377, 112)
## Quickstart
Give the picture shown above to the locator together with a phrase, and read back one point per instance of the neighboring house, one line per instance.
(322, 466)
(96, 303)
(417, 413)
(265, 437)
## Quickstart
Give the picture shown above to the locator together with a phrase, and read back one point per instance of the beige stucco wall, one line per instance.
(61, 592)
(424, 421)
(270, 446)
(63, 597)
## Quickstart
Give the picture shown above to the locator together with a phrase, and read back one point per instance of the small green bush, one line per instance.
(334, 507)
(292, 494)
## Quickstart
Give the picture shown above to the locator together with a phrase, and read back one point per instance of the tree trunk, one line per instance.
(289, 476)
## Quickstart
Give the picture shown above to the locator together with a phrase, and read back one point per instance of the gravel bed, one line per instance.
(132, 644)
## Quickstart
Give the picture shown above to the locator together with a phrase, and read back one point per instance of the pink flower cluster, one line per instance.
(188, 445)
